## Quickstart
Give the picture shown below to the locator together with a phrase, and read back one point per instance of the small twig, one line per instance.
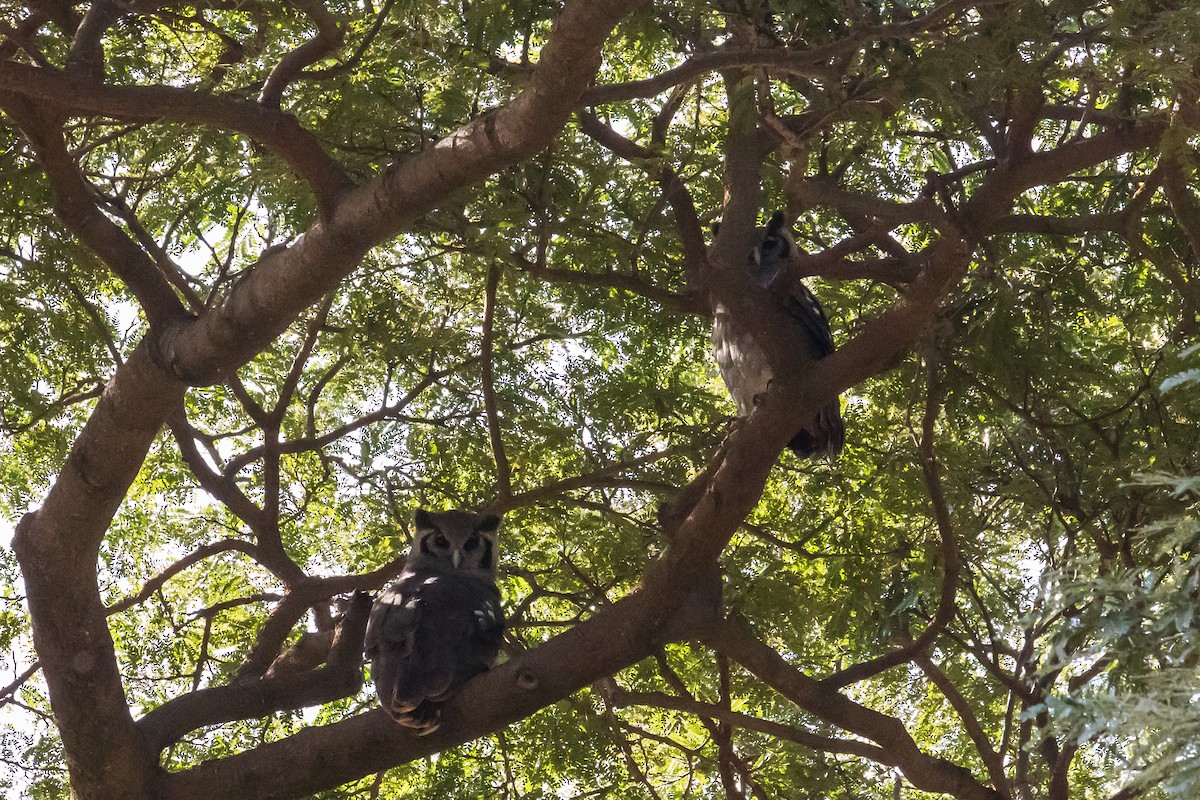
(197, 555)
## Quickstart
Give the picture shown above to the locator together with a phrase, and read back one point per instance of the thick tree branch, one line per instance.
(57, 547)
(86, 56)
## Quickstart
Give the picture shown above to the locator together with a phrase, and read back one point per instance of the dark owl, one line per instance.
(745, 367)
(439, 624)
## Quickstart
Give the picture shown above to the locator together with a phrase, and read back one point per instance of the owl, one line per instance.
(439, 624)
(745, 367)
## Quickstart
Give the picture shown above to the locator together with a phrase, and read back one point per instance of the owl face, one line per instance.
(455, 540)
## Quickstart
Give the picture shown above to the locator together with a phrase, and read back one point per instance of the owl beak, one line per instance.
(456, 558)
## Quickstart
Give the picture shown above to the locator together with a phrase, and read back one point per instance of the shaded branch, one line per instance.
(687, 221)
(807, 63)
(585, 481)
(1187, 213)
(951, 556)
(7, 692)
(992, 760)
(75, 205)
(684, 303)
(622, 697)
(86, 55)
(811, 62)
(925, 772)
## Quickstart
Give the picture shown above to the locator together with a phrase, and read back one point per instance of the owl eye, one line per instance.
(471, 543)
(441, 542)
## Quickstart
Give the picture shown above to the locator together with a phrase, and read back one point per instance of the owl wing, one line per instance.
(804, 307)
(429, 633)
(825, 433)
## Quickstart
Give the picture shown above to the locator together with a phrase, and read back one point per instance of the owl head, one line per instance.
(454, 540)
(775, 247)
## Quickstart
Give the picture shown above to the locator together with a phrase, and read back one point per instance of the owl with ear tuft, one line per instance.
(440, 623)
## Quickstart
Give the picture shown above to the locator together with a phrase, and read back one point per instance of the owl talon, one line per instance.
(424, 719)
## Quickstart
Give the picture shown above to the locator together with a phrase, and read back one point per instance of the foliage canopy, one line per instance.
(274, 275)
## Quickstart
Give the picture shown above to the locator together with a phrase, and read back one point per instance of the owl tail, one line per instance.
(411, 708)
(823, 436)
(417, 685)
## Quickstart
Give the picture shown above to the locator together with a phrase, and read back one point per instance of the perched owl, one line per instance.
(440, 623)
(745, 367)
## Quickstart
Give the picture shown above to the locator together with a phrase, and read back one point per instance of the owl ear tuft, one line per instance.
(423, 520)
(489, 524)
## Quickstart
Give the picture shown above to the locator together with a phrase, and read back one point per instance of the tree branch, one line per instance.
(74, 203)
(487, 368)
(86, 56)
(279, 132)
(622, 697)
(925, 772)
(992, 760)
(283, 283)
(951, 557)
(340, 677)
(199, 554)
(687, 222)
(329, 37)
